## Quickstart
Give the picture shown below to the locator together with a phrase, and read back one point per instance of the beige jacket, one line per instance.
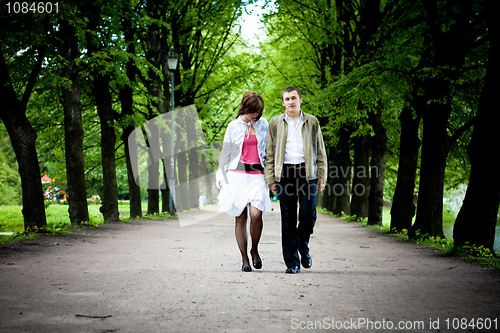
(314, 149)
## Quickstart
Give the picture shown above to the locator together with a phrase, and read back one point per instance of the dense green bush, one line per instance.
(10, 181)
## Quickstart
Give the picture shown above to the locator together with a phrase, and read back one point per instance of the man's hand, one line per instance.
(321, 187)
(273, 187)
(218, 183)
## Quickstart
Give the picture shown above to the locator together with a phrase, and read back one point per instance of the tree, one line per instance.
(454, 34)
(360, 179)
(377, 169)
(126, 117)
(477, 218)
(98, 54)
(155, 46)
(13, 114)
(338, 182)
(403, 207)
(71, 101)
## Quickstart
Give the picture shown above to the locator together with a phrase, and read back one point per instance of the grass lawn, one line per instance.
(11, 217)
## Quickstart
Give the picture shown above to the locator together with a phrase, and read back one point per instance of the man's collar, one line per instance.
(288, 117)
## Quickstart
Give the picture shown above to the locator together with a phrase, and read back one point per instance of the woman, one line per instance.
(243, 188)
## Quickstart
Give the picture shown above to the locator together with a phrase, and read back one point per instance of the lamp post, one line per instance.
(172, 61)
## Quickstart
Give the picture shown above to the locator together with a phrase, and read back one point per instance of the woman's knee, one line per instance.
(255, 214)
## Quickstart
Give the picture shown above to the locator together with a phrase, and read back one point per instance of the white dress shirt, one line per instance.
(294, 148)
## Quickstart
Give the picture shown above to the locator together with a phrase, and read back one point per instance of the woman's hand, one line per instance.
(218, 183)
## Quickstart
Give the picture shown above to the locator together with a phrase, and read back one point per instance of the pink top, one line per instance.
(250, 153)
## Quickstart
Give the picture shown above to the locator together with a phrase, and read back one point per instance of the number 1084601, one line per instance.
(32, 7)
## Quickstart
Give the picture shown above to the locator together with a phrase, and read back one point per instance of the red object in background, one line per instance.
(46, 179)
(52, 192)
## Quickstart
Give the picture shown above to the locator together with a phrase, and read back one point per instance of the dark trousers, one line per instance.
(292, 188)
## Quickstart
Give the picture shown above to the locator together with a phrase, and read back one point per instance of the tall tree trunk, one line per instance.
(23, 138)
(165, 190)
(153, 175)
(182, 200)
(377, 169)
(102, 94)
(361, 177)
(127, 102)
(435, 148)
(193, 167)
(133, 188)
(194, 187)
(343, 165)
(403, 208)
(155, 39)
(477, 218)
(73, 129)
(329, 200)
(446, 50)
(153, 170)
(153, 193)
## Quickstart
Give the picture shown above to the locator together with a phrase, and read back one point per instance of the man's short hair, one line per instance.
(290, 89)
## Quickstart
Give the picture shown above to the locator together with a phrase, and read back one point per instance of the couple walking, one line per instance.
(286, 156)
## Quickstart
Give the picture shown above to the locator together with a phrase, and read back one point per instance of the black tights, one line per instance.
(240, 231)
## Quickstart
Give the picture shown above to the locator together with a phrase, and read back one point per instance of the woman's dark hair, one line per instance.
(250, 103)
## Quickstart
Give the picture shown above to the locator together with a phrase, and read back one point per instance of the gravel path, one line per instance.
(156, 276)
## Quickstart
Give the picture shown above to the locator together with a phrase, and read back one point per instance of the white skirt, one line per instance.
(243, 189)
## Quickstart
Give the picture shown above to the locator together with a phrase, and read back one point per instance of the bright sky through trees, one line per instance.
(252, 29)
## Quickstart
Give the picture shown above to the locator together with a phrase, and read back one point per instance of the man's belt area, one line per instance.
(294, 166)
(249, 167)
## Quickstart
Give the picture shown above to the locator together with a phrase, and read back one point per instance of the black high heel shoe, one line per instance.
(246, 268)
(257, 265)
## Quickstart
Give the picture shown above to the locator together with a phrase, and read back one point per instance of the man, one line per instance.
(296, 169)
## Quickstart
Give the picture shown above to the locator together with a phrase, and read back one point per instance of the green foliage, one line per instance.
(159, 216)
(475, 251)
(57, 227)
(10, 181)
(477, 254)
(444, 244)
(93, 222)
(11, 218)
(57, 219)
(351, 218)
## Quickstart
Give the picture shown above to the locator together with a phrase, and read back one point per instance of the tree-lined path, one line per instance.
(155, 276)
